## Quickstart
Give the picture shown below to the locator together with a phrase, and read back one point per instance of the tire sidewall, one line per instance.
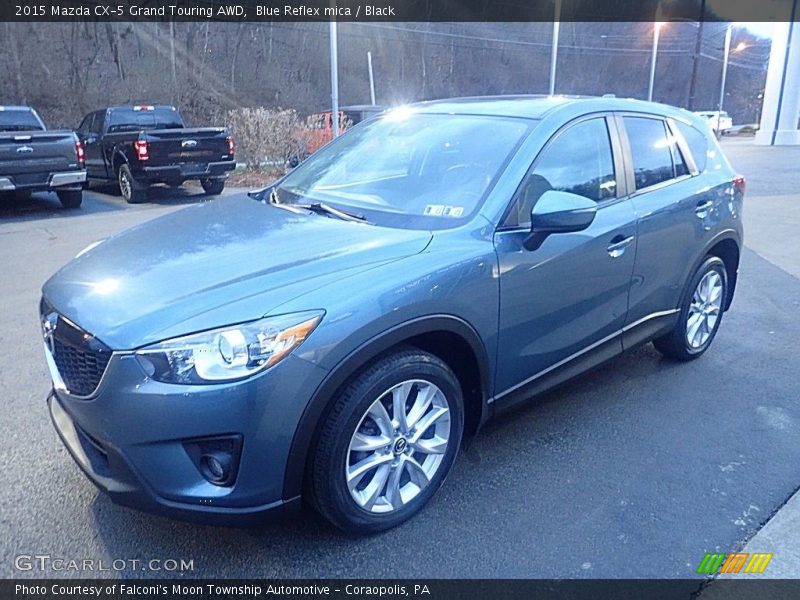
(351, 516)
(712, 263)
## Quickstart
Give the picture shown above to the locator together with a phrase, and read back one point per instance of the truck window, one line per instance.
(20, 120)
(86, 124)
(131, 119)
(97, 124)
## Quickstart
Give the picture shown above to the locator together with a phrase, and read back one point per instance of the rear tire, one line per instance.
(414, 449)
(700, 313)
(132, 191)
(213, 186)
(70, 198)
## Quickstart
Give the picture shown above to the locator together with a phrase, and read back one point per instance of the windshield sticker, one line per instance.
(441, 210)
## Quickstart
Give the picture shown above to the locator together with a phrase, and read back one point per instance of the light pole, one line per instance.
(726, 55)
(656, 31)
(334, 81)
(371, 79)
(554, 52)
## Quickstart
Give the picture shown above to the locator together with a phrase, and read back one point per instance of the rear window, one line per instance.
(650, 150)
(698, 144)
(20, 120)
(128, 119)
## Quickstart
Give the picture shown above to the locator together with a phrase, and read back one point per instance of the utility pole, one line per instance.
(334, 81)
(371, 79)
(554, 52)
(696, 58)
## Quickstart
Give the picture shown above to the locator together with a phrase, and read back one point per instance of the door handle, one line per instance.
(703, 207)
(618, 245)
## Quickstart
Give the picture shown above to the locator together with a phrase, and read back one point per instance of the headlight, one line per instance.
(228, 352)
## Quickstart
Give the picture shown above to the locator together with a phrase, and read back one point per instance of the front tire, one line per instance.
(388, 442)
(132, 191)
(213, 186)
(70, 198)
(700, 314)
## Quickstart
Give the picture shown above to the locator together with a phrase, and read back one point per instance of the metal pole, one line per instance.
(371, 79)
(724, 74)
(656, 30)
(334, 81)
(554, 52)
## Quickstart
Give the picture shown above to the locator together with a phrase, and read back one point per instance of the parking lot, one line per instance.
(634, 470)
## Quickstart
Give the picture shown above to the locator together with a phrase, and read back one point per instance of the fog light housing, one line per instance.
(216, 458)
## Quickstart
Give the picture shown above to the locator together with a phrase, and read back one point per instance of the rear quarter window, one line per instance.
(698, 144)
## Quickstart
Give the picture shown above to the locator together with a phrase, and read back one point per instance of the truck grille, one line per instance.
(81, 359)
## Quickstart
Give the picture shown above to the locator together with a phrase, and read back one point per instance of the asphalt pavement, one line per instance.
(634, 470)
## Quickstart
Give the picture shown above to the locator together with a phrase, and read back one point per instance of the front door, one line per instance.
(570, 295)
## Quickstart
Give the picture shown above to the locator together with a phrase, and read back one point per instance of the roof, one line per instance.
(536, 107)
(530, 107)
(10, 107)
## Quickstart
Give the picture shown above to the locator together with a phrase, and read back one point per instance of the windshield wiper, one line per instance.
(325, 209)
(319, 208)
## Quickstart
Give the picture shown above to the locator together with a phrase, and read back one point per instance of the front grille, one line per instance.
(81, 359)
(81, 369)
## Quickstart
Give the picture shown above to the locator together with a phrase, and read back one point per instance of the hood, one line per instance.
(214, 264)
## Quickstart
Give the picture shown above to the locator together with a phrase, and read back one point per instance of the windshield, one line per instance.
(20, 120)
(408, 170)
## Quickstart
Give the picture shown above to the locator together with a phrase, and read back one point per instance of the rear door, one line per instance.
(90, 132)
(674, 209)
(569, 297)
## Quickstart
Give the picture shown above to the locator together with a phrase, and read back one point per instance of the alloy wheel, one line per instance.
(124, 185)
(398, 446)
(704, 310)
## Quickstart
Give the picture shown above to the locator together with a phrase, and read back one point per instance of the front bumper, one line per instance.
(189, 171)
(67, 179)
(128, 438)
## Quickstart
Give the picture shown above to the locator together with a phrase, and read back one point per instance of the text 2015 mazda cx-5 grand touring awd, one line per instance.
(339, 333)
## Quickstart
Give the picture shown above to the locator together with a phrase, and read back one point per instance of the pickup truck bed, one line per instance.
(33, 159)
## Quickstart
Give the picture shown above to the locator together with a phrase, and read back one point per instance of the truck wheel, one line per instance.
(212, 186)
(133, 191)
(70, 198)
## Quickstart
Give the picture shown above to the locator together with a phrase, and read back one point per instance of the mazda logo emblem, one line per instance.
(188, 144)
(24, 149)
(48, 331)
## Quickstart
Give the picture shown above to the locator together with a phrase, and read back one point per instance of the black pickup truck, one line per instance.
(137, 146)
(33, 159)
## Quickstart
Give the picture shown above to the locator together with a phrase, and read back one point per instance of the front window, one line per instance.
(409, 170)
(578, 160)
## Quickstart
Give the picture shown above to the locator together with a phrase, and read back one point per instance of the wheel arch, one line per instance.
(118, 159)
(728, 250)
(452, 339)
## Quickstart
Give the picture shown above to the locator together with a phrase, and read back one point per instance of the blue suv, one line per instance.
(337, 334)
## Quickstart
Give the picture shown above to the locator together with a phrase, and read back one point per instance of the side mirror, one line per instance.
(559, 212)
